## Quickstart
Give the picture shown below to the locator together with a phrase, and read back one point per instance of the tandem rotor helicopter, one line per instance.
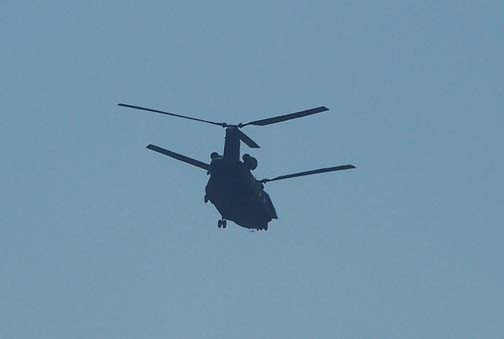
(232, 188)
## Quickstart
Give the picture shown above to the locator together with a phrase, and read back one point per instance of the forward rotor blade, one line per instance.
(180, 157)
(222, 124)
(246, 139)
(280, 118)
(317, 171)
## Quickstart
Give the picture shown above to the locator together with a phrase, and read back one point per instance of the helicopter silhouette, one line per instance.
(232, 188)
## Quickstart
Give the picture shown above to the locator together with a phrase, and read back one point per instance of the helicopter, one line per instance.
(232, 188)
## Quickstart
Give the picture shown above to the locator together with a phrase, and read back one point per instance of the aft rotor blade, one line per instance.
(280, 118)
(222, 124)
(246, 139)
(180, 157)
(317, 171)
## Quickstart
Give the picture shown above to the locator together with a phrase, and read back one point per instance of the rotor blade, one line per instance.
(180, 157)
(246, 139)
(317, 171)
(280, 118)
(222, 124)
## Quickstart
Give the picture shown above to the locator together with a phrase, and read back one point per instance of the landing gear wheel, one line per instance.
(221, 223)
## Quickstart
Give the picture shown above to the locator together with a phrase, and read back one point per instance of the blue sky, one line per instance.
(104, 239)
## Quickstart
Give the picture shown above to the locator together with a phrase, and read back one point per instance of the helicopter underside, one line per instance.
(252, 210)
(245, 214)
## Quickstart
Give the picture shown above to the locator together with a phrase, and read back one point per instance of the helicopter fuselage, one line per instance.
(238, 196)
(234, 191)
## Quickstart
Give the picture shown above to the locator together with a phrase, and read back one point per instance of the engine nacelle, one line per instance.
(250, 161)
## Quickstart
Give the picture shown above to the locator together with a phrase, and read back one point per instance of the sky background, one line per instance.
(101, 238)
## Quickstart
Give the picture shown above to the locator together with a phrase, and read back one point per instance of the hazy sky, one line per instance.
(101, 238)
